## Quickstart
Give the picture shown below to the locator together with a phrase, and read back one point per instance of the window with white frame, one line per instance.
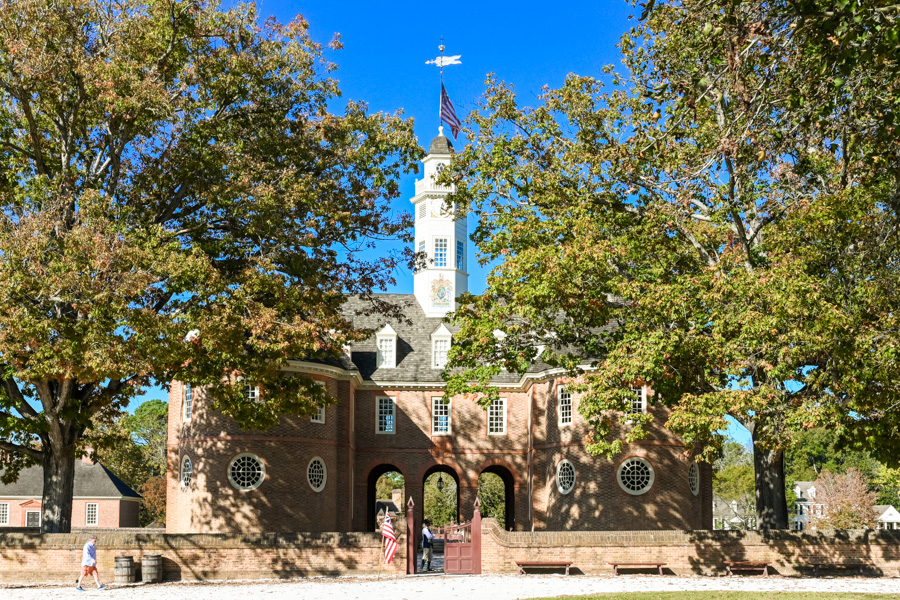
(91, 513)
(635, 475)
(187, 472)
(251, 392)
(565, 476)
(317, 474)
(422, 251)
(387, 410)
(4, 513)
(564, 406)
(440, 252)
(440, 347)
(246, 472)
(638, 401)
(460, 255)
(188, 402)
(440, 416)
(319, 417)
(386, 341)
(497, 417)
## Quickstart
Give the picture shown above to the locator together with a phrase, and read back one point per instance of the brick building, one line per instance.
(100, 499)
(319, 474)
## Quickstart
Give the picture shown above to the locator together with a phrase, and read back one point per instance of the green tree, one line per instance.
(177, 203)
(725, 207)
(492, 494)
(440, 504)
(386, 484)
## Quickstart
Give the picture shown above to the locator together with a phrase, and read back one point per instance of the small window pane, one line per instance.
(440, 252)
(440, 353)
(497, 417)
(440, 416)
(251, 392)
(637, 401)
(319, 417)
(4, 514)
(565, 406)
(91, 514)
(460, 256)
(385, 415)
(188, 401)
(386, 352)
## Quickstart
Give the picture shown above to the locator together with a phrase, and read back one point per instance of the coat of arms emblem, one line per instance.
(441, 291)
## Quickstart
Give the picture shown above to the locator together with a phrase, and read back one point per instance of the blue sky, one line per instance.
(526, 44)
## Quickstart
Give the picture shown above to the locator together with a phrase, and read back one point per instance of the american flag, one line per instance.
(390, 540)
(448, 115)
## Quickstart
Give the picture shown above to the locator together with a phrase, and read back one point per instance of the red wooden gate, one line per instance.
(462, 546)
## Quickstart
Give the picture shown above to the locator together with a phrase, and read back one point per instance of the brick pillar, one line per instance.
(411, 555)
(476, 538)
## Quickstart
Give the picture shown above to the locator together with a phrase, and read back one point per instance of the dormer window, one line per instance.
(386, 340)
(440, 344)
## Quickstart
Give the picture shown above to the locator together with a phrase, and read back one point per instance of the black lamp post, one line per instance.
(440, 483)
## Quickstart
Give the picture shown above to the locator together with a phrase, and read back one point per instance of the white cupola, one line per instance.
(439, 235)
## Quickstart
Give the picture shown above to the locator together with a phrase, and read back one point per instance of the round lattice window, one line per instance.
(694, 478)
(317, 474)
(246, 472)
(187, 471)
(635, 476)
(565, 476)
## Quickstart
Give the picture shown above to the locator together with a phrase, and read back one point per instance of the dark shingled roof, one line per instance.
(440, 145)
(413, 344)
(91, 481)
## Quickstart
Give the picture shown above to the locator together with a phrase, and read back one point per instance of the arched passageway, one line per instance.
(497, 493)
(391, 477)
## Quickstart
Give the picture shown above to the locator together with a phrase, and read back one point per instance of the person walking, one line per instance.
(89, 564)
(427, 545)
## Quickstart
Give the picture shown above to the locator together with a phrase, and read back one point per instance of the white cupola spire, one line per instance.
(439, 235)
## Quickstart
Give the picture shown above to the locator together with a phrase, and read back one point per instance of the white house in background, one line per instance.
(806, 504)
(733, 515)
(888, 516)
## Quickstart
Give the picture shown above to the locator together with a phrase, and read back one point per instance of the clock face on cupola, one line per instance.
(439, 236)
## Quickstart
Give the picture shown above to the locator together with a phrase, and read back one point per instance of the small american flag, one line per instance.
(390, 540)
(448, 114)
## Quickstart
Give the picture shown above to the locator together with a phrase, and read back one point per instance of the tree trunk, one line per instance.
(771, 502)
(59, 487)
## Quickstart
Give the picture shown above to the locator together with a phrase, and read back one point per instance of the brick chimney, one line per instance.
(397, 498)
(86, 457)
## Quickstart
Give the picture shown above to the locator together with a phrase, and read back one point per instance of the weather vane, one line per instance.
(446, 113)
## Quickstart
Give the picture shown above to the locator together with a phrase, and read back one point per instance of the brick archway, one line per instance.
(507, 475)
(375, 472)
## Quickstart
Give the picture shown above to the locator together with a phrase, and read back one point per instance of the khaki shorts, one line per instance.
(87, 570)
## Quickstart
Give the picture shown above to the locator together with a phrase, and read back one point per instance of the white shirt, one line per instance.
(89, 555)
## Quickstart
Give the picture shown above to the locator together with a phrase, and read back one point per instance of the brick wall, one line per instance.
(55, 558)
(688, 552)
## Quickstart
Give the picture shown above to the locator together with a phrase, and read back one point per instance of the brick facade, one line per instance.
(355, 455)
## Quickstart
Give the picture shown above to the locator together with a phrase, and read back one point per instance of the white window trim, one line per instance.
(441, 334)
(434, 251)
(643, 411)
(6, 521)
(324, 473)
(37, 512)
(185, 486)
(505, 413)
(622, 466)
(559, 416)
(449, 405)
(187, 407)
(393, 402)
(559, 467)
(388, 334)
(262, 477)
(319, 417)
(87, 508)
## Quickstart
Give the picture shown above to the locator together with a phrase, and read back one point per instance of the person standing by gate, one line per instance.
(427, 545)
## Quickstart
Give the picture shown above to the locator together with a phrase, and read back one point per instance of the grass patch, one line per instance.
(723, 595)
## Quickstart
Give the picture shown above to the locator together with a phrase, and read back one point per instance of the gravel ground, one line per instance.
(459, 587)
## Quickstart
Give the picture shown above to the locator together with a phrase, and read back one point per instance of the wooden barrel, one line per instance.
(151, 568)
(124, 569)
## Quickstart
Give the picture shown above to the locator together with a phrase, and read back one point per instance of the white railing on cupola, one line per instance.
(428, 185)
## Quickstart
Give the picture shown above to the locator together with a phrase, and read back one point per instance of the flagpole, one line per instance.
(440, 95)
